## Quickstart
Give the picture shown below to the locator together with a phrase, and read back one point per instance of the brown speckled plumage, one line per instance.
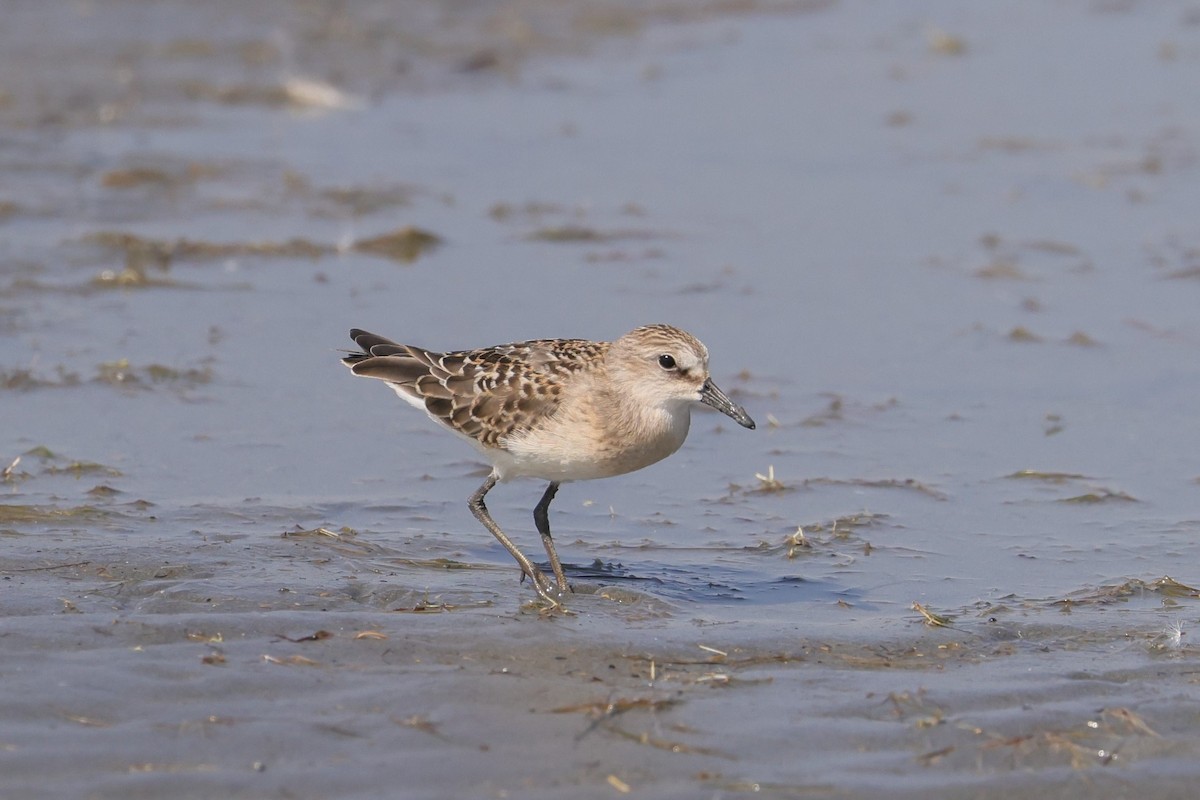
(556, 409)
(487, 394)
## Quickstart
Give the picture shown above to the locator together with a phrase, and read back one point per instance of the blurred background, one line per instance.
(947, 255)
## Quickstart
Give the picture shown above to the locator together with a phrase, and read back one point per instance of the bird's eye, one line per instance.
(666, 361)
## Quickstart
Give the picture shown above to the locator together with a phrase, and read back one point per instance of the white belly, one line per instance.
(567, 453)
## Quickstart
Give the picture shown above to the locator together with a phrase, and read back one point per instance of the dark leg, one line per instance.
(540, 582)
(541, 518)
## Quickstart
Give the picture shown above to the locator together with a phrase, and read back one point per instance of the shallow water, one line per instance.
(946, 257)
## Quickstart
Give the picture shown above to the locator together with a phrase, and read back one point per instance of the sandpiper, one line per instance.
(556, 409)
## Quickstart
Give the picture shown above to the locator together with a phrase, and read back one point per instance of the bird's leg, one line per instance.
(540, 583)
(542, 520)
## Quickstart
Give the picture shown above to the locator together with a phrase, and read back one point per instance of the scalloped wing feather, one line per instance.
(487, 395)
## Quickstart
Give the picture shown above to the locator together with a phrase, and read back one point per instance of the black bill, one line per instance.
(711, 395)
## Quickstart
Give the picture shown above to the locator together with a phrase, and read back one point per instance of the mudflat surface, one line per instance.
(946, 256)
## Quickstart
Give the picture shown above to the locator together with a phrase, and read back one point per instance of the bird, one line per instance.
(559, 410)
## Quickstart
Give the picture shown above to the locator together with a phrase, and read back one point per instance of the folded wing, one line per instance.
(486, 395)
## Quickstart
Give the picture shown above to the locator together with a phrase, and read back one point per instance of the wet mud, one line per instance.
(946, 257)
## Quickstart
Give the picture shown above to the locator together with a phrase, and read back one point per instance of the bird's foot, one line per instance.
(549, 594)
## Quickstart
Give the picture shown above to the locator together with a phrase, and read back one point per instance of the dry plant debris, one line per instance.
(768, 483)
(370, 635)
(880, 483)
(296, 660)
(312, 637)
(932, 619)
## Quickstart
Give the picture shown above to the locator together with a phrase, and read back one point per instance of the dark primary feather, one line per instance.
(487, 394)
